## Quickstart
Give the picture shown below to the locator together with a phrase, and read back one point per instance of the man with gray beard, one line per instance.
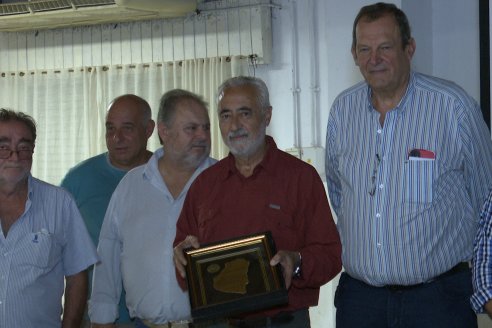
(135, 244)
(260, 188)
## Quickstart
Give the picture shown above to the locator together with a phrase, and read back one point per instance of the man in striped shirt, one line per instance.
(408, 165)
(43, 239)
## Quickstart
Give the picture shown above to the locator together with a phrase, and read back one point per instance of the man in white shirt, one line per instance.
(135, 244)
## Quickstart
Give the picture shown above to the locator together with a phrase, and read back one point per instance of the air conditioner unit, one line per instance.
(49, 14)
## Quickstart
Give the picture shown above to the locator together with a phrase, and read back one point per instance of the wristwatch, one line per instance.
(297, 268)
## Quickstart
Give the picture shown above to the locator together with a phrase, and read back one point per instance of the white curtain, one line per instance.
(69, 106)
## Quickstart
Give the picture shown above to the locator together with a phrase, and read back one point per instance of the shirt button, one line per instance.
(379, 244)
(381, 186)
(379, 131)
(378, 215)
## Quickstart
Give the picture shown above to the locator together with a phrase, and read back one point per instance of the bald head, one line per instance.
(129, 125)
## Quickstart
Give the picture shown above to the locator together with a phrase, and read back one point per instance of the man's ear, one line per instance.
(150, 128)
(410, 48)
(268, 115)
(162, 130)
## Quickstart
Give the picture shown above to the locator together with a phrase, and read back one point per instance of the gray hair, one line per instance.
(167, 105)
(263, 96)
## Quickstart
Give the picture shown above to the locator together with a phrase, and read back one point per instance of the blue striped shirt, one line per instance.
(482, 262)
(47, 242)
(403, 220)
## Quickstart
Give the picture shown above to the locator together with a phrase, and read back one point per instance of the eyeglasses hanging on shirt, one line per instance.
(377, 161)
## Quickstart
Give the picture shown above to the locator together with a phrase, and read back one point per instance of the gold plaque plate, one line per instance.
(233, 277)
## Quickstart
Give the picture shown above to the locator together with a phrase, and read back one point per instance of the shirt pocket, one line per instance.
(418, 180)
(41, 251)
(280, 221)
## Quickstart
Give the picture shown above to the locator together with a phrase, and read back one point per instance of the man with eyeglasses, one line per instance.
(408, 166)
(43, 241)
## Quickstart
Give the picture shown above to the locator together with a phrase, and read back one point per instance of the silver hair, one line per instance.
(261, 89)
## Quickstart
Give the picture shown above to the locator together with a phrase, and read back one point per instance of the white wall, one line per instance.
(419, 12)
(447, 40)
(331, 59)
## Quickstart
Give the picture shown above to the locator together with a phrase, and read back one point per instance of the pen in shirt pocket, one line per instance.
(417, 154)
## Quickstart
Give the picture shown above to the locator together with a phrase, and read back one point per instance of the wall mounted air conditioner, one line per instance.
(49, 14)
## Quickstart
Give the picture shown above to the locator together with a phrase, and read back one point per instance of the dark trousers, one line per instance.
(442, 303)
(296, 319)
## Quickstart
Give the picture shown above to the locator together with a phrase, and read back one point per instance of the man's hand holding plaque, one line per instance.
(179, 256)
(234, 276)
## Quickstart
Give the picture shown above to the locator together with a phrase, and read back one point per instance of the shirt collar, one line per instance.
(401, 105)
(30, 192)
(151, 169)
(29, 186)
(152, 165)
(268, 162)
(106, 155)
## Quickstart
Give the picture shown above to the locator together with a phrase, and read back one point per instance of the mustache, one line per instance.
(238, 133)
(199, 144)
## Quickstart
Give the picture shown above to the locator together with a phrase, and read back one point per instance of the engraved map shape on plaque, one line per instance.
(233, 278)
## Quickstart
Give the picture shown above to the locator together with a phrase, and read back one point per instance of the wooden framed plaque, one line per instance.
(233, 277)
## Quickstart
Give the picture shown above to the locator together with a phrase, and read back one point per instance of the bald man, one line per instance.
(129, 125)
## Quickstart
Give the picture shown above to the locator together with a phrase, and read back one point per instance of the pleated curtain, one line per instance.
(69, 105)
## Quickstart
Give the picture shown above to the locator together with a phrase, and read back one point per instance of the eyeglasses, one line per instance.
(22, 154)
(372, 191)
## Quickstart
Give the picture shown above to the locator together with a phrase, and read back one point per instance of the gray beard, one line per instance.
(251, 146)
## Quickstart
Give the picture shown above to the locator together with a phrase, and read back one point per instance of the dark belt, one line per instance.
(281, 318)
(460, 267)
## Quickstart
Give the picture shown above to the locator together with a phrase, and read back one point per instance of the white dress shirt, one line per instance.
(135, 247)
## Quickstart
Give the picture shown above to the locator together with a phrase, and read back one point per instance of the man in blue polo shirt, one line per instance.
(92, 182)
